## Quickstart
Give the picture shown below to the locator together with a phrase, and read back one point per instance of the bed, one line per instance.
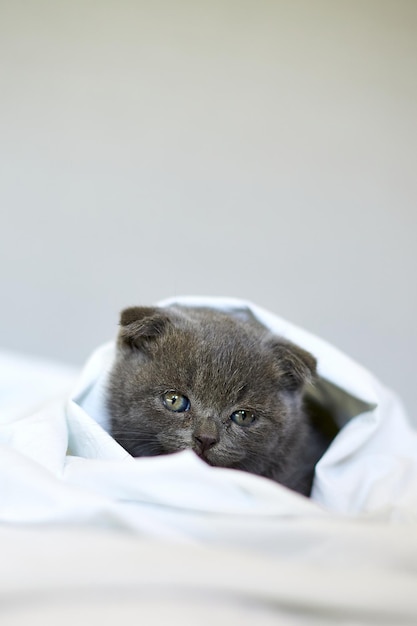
(89, 533)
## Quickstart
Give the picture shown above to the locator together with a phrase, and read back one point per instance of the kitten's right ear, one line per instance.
(297, 367)
(141, 325)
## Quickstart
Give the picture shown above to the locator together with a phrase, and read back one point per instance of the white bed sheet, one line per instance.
(230, 541)
(317, 574)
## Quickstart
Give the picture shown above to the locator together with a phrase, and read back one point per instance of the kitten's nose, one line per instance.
(205, 441)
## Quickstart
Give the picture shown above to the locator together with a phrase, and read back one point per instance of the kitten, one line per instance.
(225, 387)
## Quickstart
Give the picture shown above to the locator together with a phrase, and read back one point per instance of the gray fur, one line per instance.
(222, 365)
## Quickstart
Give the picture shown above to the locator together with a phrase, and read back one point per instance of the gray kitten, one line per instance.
(225, 387)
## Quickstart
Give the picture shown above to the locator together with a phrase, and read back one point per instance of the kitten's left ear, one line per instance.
(139, 326)
(297, 367)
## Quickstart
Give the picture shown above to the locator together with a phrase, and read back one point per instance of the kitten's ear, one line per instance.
(140, 325)
(297, 367)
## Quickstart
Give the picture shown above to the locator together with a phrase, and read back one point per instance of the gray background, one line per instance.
(264, 150)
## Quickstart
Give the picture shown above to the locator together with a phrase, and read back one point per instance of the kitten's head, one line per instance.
(200, 379)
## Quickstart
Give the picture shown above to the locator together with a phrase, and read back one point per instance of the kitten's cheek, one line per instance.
(176, 443)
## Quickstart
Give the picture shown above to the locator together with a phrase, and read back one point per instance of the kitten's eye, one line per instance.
(243, 418)
(176, 402)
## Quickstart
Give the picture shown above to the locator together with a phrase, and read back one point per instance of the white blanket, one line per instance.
(59, 466)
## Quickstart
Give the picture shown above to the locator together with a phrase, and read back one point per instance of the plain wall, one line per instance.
(263, 150)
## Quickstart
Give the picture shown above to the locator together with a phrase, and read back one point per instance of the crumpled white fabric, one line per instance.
(315, 573)
(59, 465)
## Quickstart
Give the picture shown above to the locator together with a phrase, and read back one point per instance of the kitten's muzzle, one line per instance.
(204, 441)
(205, 436)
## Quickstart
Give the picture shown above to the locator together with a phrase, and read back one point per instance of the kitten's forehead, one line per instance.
(218, 340)
(216, 355)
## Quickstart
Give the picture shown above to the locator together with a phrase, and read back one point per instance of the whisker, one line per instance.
(135, 433)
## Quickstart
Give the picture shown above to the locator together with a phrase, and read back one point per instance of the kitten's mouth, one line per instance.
(203, 456)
